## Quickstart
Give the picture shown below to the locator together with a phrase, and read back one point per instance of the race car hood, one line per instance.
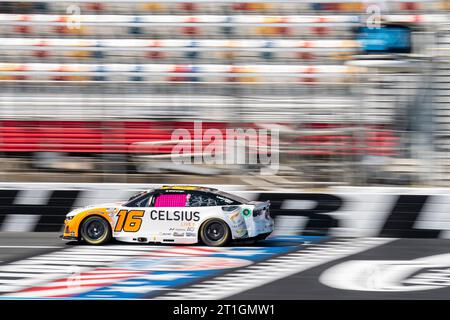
(103, 205)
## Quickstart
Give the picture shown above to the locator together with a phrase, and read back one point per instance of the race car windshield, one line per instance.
(138, 195)
(232, 197)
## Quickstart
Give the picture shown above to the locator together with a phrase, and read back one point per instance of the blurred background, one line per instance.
(359, 90)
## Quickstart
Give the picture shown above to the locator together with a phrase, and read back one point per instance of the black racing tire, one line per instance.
(95, 230)
(215, 233)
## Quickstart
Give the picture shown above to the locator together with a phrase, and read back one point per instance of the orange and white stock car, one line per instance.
(172, 214)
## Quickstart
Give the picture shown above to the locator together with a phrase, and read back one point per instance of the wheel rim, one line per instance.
(94, 230)
(214, 231)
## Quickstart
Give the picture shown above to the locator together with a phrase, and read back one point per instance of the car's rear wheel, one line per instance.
(95, 230)
(215, 233)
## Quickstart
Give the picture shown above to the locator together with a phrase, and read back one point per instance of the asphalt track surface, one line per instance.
(40, 265)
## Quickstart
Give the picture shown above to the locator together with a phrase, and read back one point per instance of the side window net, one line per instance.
(201, 200)
(138, 201)
(142, 202)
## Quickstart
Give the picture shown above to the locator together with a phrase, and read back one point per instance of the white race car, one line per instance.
(172, 214)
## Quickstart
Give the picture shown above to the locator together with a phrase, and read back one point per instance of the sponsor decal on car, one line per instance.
(241, 232)
(235, 216)
(112, 211)
(176, 215)
(246, 212)
(239, 225)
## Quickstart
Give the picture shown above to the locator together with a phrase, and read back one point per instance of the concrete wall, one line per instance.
(338, 211)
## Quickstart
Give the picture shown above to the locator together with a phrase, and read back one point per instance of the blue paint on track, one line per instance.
(168, 273)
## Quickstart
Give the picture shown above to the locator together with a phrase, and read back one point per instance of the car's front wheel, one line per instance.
(95, 230)
(215, 233)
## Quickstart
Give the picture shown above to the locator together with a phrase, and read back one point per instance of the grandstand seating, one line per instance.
(441, 101)
(147, 67)
(121, 137)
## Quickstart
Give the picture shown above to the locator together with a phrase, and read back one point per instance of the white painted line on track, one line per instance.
(72, 261)
(30, 247)
(57, 258)
(271, 270)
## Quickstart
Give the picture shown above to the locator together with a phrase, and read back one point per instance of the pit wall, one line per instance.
(336, 211)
